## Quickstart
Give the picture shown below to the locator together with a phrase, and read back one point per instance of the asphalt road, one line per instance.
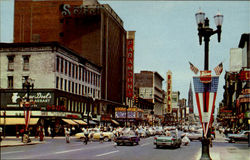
(59, 149)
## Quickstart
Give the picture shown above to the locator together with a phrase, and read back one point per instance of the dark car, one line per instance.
(127, 139)
(242, 136)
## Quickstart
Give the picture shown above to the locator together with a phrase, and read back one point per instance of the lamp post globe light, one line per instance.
(204, 32)
(28, 84)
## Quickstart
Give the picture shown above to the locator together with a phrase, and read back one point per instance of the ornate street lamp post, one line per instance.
(28, 84)
(205, 32)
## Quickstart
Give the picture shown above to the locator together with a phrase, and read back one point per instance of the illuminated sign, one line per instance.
(130, 68)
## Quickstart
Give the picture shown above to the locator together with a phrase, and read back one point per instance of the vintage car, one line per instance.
(196, 135)
(128, 138)
(94, 134)
(172, 140)
(242, 136)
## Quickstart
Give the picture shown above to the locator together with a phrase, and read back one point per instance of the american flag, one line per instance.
(193, 68)
(218, 69)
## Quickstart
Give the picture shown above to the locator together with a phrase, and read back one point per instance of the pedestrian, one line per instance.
(67, 135)
(86, 134)
(49, 131)
(1, 131)
(22, 133)
(101, 137)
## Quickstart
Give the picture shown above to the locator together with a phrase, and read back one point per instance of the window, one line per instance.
(57, 82)
(79, 89)
(26, 62)
(57, 63)
(83, 71)
(66, 67)
(82, 89)
(80, 73)
(76, 71)
(62, 65)
(10, 82)
(85, 90)
(11, 63)
(69, 83)
(73, 71)
(69, 69)
(61, 84)
(65, 84)
(76, 88)
(73, 87)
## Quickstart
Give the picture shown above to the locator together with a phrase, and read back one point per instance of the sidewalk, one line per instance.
(220, 152)
(13, 141)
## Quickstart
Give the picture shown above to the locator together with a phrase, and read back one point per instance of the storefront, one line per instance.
(133, 115)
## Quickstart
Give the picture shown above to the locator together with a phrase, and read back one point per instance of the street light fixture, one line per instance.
(206, 32)
(28, 84)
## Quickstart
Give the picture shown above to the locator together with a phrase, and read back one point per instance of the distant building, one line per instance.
(149, 87)
(190, 100)
(176, 105)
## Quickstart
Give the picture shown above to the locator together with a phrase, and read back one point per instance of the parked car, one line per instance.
(94, 134)
(128, 138)
(242, 136)
(172, 140)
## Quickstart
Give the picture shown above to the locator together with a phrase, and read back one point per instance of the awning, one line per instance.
(115, 122)
(69, 121)
(17, 121)
(80, 121)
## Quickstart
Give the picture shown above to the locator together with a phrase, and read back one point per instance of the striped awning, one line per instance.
(115, 122)
(69, 121)
(80, 121)
(17, 121)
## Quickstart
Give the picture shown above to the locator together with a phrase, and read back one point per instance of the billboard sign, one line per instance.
(130, 68)
(205, 93)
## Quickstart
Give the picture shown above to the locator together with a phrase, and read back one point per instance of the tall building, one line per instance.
(149, 87)
(190, 99)
(91, 29)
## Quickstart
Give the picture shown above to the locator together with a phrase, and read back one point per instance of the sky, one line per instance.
(166, 35)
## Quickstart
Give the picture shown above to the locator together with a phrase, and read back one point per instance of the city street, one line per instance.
(58, 149)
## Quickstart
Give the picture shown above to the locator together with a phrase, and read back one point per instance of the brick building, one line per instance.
(91, 29)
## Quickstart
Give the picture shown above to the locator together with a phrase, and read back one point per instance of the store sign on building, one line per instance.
(130, 68)
(14, 99)
(82, 10)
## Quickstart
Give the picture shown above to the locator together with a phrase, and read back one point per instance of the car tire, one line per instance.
(131, 143)
(157, 146)
(106, 139)
(137, 143)
(118, 144)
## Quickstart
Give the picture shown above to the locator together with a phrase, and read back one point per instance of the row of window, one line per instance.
(75, 71)
(11, 61)
(70, 86)
(11, 81)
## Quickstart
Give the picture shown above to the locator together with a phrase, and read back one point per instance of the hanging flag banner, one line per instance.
(205, 94)
(27, 113)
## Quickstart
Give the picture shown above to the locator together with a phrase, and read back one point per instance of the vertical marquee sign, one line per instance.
(205, 94)
(130, 68)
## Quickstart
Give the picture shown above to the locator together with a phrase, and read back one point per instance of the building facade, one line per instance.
(149, 87)
(234, 109)
(66, 85)
(91, 29)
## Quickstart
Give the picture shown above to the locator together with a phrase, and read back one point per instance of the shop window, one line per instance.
(26, 62)
(11, 63)
(10, 82)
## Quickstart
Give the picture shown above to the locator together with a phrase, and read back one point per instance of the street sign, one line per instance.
(205, 93)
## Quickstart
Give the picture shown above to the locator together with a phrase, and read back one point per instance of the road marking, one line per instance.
(145, 144)
(12, 152)
(72, 150)
(107, 153)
